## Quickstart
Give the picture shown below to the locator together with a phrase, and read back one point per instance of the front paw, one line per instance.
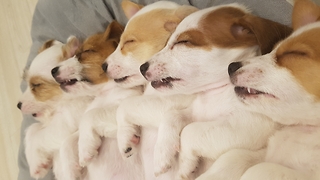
(88, 149)
(188, 166)
(165, 155)
(40, 169)
(128, 139)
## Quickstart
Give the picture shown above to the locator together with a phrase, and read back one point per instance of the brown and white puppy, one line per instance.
(146, 33)
(58, 113)
(284, 85)
(195, 61)
(82, 75)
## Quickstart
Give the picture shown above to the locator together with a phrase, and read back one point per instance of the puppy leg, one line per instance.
(96, 123)
(267, 171)
(232, 164)
(69, 158)
(168, 142)
(39, 160)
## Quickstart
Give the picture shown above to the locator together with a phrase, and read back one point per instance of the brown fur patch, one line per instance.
(301, 55)
(46, 45)
(230, 27)
(95, 50)
(44, 89)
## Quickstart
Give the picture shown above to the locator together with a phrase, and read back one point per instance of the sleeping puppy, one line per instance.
(83, 75)
(284, 85)
(195, 61)
(136, 46)
(58, 113)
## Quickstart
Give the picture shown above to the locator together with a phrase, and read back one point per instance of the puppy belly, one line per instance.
(109, 164)
(297, 148)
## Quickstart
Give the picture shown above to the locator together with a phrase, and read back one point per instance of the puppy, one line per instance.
(136, 47)
(195, 61)
(84, 75)
(284, 85)
(57, 113)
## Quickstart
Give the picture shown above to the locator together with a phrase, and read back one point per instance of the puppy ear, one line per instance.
(263, 32)
(113, 31)
(182, 12)
(46, 45)
(130, 8)
(69, 49)
(304, 12)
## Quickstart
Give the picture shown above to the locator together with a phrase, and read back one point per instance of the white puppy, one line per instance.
(57, 112)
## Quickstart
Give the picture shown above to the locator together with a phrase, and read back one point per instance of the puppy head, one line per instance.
(83, 73)
(198, 53)
(43, 92)
(145, 34)
(285, 83)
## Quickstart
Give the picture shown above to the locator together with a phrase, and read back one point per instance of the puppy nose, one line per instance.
(55, 71)
(143, 68)
(233, 67)
(19, 105)
(104, 67)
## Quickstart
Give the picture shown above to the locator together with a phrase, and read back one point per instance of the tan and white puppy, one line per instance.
(284, 85)
(58, 113)
(82, 75)
(195, 61)
(145, 34)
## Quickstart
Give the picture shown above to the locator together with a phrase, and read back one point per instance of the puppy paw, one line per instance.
(40, 169)
(188, 165)
(165, 155)
(128, 141)
(88, 149)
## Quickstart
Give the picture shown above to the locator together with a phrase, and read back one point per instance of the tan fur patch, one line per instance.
(147, 37)
(95, 50)
(43, 89)
(301, 55)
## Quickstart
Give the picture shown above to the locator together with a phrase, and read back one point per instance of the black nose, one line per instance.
(143, 68)
(55, 71)
(233, 67)
(104, 67)
(19, 105)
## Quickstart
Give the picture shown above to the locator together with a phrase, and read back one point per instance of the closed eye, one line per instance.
(127, 42)
(34, 86)
(181, 42)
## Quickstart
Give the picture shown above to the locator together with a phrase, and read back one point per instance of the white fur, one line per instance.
(292, 152)
(58, 119)
(100, 156)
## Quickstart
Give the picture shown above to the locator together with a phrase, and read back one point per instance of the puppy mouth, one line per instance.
(120, 80)
(250, 92)
(164, 82)
(70, 82)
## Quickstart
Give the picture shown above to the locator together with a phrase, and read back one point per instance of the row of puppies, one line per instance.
(71, 80)
(162, 83)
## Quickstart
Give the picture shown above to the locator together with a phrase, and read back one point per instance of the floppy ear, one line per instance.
(69, 49)
(264, 32)
(304, 12)
(130, 8)
(114, 30)
(182, 12)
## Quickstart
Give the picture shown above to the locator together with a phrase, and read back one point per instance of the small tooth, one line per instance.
(249, 90)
